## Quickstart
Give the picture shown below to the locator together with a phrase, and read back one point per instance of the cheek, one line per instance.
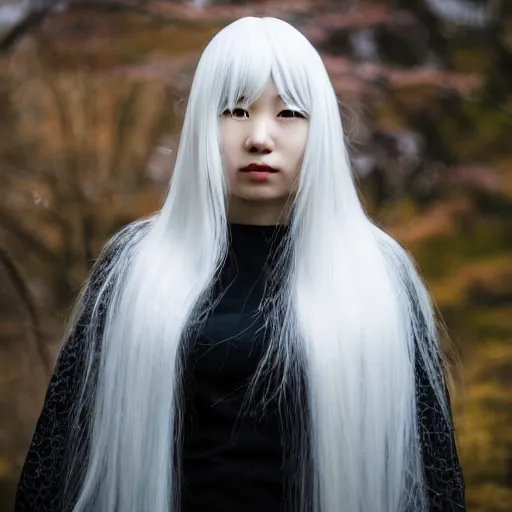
(228, 146)
(229, 159)
(300, 139)
(297, 152)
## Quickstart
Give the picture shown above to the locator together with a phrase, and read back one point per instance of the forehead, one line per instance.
(269, 93)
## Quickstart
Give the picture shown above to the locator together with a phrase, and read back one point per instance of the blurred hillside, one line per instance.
(92, 96)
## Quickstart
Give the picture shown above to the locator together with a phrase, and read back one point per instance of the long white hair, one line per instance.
(345, 319)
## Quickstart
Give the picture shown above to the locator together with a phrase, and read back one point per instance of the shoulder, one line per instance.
(396, 253)
(113, 260)
(401, 265)
(115, 255)
(121, 242)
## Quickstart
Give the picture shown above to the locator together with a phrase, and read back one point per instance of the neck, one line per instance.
(258, 213)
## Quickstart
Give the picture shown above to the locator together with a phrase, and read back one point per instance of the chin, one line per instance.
(260, 195)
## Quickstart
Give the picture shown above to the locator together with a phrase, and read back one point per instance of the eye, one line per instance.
(236, 112)
(291, 113)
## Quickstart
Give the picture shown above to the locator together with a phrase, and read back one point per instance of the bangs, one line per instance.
(254, 57)
(244, 80)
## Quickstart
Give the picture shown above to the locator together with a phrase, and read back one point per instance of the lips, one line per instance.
(258, 168)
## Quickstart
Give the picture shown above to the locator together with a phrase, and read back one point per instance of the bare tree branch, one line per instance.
(29, 239)
(16, 276)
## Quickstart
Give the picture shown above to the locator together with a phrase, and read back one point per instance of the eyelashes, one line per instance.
(293, 113)
(236, 112)
(241, 113)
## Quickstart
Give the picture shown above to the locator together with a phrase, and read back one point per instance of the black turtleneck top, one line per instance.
(232, 456)
(232, 459)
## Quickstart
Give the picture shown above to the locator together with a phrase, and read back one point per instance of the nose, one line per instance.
(260, 139)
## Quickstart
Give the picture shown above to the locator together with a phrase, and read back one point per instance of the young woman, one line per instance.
(259, 344)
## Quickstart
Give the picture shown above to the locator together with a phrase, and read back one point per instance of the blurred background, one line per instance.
(92, 97)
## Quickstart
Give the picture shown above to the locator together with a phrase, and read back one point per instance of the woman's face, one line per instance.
(267, 132)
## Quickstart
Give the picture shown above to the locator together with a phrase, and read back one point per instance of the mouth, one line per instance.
(258, 168)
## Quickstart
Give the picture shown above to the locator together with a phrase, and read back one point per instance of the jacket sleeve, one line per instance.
(43, 475)
(442, 469)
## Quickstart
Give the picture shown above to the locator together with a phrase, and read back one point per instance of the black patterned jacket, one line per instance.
(42, 478)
